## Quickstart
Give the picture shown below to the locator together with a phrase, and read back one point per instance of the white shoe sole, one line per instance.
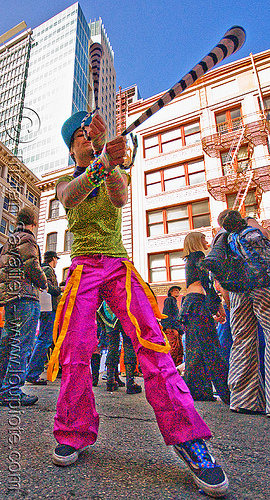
(215, 491)
(71, 459)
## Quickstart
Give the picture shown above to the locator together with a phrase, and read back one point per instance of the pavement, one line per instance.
(129, 460)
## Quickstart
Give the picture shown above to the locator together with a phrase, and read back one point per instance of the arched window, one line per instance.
(51, 242)
(54, 209)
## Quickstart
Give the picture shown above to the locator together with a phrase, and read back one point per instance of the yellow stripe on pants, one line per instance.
(145, 343)
(73, 285)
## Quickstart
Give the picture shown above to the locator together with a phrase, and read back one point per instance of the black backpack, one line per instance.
(230, 269)
(253, 247)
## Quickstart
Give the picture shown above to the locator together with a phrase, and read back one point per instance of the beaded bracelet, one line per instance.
(96, 172)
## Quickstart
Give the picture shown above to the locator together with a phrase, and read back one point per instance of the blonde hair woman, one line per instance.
(204, 363)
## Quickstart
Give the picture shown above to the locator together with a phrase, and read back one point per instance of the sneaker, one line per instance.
(133, 389)
(111, 386)
(207, 474)
(39, 381)
(64, 454)
(22, 400)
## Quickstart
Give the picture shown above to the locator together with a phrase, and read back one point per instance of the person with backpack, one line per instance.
(224, 329)
(240, 260)
(252, 249)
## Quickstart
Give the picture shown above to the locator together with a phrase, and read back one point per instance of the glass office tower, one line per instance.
(45, 77)
(57, 85)
(14, 61)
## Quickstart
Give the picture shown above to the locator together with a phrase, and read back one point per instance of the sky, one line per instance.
(156, 42)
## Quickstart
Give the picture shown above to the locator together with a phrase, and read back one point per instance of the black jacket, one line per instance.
(53, 289)
(171, 310)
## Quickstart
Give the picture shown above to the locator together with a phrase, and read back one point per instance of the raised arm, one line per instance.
(73, 193)
(253, 223)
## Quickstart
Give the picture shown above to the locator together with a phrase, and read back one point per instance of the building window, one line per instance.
(3, 226)
(13, 208)
(180, 218)
(32, 198)
(229, 120)
(241, 161)
(68, 241)
(54, 209)
(165, 267)
(6, 203)
(266, 102)
(176, 177)
(15, 183)
(11, 228)
(250, 205)
(51, 242)
(164, 142)
(65, 273)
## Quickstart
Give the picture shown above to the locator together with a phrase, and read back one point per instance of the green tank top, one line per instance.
(95, 224)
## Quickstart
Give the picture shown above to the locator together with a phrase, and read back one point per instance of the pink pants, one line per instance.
(76, 420)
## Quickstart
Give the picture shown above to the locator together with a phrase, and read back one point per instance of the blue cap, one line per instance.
(72, 124)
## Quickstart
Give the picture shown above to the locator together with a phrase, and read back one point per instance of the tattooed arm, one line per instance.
(73, 193)
(117, 183)
(117, 188)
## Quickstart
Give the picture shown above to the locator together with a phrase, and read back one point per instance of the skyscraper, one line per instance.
(46, 78)
(57, 86)
(14, 62)
(107, 83)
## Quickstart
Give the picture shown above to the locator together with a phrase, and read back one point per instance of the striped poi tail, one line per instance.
(95, 54)
(232, 41)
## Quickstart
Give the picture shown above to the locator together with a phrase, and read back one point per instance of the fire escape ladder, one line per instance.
(243, 190)
(233, 151)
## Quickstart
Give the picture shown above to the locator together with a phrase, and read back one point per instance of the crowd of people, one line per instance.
(105, 300)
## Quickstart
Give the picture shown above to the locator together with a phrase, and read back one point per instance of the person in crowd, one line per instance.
(45, 335)
(115, 332)
(224, 329)
(100, 270)
(248, 394)
(21, 277)
(204, 363)
(102, 345)
(251, 222)
(172, 324)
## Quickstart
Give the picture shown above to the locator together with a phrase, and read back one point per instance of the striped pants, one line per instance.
(245, 380)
